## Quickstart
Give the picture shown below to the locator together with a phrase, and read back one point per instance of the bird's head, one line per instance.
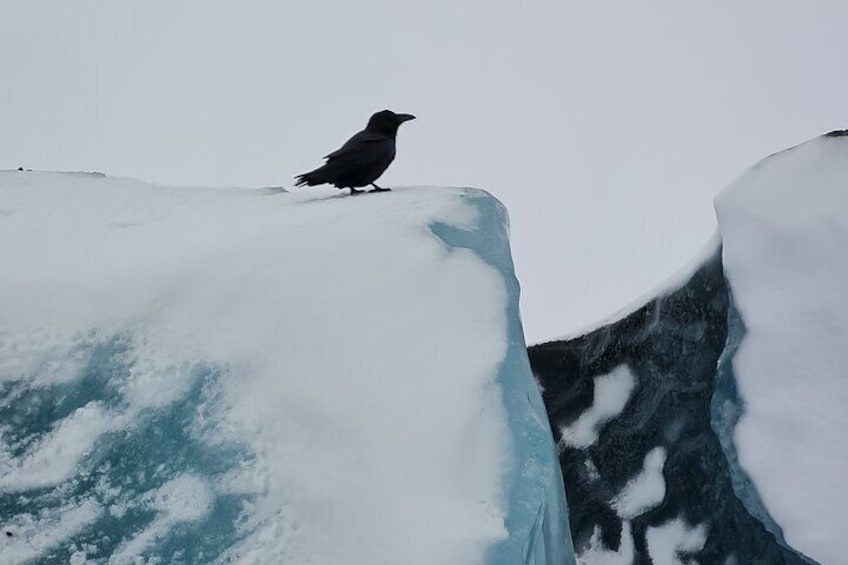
(387, 122)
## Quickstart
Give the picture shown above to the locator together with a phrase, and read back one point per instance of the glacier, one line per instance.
(197, 375)
(706, 423)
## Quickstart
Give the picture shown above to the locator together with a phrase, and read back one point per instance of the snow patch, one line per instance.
(31, 536)
(612, 391)
(56, 456)
(645, 490)
(598, 554)
(667, 542)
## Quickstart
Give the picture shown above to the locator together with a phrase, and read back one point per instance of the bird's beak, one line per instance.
(405, 117)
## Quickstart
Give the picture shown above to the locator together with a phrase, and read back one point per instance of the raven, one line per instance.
(363, 158)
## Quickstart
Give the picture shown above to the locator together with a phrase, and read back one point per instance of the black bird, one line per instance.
(363, 158)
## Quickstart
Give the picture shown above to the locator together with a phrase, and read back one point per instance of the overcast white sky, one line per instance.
(606, 127)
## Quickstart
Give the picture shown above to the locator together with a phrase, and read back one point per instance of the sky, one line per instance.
(605, 127)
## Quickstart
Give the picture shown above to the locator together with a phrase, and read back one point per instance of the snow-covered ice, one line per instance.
(736, 409)
(183, 499)
(785, 230)
(255, 376)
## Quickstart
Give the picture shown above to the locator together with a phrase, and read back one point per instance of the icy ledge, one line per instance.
(229, 375)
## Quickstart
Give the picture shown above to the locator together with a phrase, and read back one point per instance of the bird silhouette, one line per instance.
(363, 158)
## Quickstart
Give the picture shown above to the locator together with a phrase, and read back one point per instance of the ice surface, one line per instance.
(785, 231)
(675, 346)
(261, 377)
(739, 379)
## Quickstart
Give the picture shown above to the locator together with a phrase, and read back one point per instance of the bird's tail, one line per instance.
(311, 178)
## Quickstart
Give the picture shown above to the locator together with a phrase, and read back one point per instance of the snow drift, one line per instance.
(222, 375)
(735, 375)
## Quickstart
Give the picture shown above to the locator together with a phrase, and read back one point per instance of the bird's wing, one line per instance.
(359, 161)
(356, 142)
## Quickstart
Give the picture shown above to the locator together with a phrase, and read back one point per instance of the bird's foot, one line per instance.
(354, 191)
(378, 188)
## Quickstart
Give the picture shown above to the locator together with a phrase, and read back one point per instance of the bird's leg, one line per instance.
(378, 188)
(354, 191)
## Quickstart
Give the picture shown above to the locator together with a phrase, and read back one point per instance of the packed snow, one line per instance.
(331, 360)
(785, 230)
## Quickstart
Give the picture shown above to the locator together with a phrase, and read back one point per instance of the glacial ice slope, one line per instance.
(708, 424)
(785, 231)
(201, 375)
(646, 475)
